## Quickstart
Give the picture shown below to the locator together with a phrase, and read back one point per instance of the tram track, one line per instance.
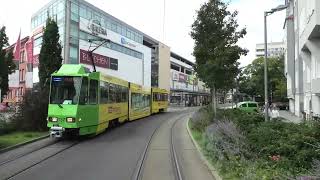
(4, 162)
(174, 152)
(139, 170)
(58, 146)
(138, 175)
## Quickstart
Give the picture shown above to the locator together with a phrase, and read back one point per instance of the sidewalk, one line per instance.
(290, 117)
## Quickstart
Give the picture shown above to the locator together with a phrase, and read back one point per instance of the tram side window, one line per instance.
(124, 94)
(104, 92)
(147, 100)
(93, 92)
(84, 92)
(134, 101)
(118, 93)
(154, 98)
(112, 97)
(161, 97)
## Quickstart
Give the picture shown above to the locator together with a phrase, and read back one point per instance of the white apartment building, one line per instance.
(275, 49)
(302, 64)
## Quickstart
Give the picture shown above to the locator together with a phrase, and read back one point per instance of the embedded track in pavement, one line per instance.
(59, 146)
(171, 149)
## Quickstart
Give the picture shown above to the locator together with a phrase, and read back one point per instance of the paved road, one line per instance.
(113, 155)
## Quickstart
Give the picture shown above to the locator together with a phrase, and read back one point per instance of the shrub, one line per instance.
(201, 119)
(32, 112)
(225, 141)
(292, 142)
(244, 143)
(245, 121)
(316, 168)
(5, 127)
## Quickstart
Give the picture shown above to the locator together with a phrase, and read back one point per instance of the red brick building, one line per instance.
(18, 81)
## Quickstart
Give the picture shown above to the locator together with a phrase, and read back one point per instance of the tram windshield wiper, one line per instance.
(60, 105)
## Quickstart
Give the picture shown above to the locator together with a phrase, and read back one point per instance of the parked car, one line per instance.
(248, 106)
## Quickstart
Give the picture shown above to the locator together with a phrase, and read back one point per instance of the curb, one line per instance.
(22, 144)
(213, 171)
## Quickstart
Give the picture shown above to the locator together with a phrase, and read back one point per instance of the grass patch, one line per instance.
(14, 138)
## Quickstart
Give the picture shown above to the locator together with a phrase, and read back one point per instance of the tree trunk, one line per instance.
(213, 101)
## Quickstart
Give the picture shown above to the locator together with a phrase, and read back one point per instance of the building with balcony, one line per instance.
(275, 49)
(302, 60)
(185, 87)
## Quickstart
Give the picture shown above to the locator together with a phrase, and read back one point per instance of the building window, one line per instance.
(38, 41)
(182, 69)
(83, 12)
(74, 30)
(89, 13)
(74, 8)
(188, 72)
(73, 55)
(22, 75)
(174, 67)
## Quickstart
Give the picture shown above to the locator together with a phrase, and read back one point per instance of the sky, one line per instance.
(149, 16)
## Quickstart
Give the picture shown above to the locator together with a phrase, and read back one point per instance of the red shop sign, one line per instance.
(99, 60)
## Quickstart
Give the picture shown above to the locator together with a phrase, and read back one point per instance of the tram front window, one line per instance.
(65, 90)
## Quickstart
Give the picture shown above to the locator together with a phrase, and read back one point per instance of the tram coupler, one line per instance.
(56, 132)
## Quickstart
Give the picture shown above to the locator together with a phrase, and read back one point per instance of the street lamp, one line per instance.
(266, 99)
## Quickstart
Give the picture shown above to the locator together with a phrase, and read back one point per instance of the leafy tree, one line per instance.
(50, 58)
(252, 82)
(216, 33)
(7, 65)
(34, 107)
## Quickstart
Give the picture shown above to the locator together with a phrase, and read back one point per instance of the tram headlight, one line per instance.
(71, 120)
(52, 119)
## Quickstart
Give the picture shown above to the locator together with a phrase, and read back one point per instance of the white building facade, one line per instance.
(82, 27)
(302, 65)
(275, 49)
